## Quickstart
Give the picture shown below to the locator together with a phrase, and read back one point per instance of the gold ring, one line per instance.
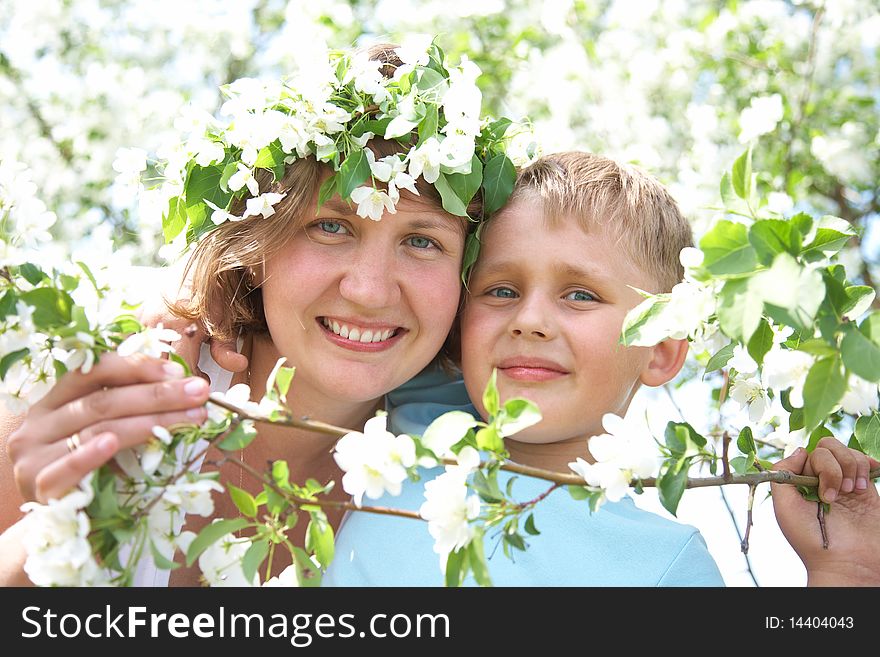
(72, 443)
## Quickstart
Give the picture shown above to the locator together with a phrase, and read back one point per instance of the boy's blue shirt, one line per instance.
(619, 545)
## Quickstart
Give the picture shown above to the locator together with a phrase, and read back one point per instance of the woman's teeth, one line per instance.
(357, 334)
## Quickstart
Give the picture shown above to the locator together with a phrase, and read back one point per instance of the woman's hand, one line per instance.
(113, 407)
(852, 524)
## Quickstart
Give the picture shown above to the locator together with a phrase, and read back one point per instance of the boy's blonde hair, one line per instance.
(600, 192)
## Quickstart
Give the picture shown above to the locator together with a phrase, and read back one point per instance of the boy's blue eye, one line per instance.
(580, 295)
(503, 293)
(333, 227)
(421, 242)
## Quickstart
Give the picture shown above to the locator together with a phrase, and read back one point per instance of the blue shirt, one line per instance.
(618, 545)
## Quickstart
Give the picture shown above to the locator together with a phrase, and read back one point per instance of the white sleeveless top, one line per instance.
(146, 573)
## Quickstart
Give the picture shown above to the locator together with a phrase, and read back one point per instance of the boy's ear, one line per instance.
(666, 360)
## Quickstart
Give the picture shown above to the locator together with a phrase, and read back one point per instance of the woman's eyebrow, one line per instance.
(427, 223)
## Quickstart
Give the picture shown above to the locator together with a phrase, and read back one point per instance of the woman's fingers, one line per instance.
(111, 370)
(62, 474)
(106, 407)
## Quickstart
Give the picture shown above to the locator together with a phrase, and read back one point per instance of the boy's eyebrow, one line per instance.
(563, 270)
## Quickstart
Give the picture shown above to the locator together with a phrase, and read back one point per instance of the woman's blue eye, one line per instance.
(580, 295)
(503, 293)
(333, 227)
(420, 242)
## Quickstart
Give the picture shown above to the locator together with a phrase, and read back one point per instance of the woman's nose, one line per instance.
(370, 281)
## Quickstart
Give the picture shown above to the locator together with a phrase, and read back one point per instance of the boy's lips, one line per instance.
(521, 368)
(360, 335)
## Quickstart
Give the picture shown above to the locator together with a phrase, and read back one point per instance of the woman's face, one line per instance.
(358, 306)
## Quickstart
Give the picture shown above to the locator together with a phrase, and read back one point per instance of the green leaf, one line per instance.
(498, 181)
(823, 390)
(739, 309)
(203, 184)
(579, 492)
(32, 274)
(727, 249)
(682, 439)
(430, 79)
(281, 474)
(741, 175)
(489, 439)
(720, 358)
(471, 253)
(319, 538)
(10, 359)
(454, 563)
(818, 434)
(272, 157)
(283, 378)
(210, 534)
(353, 172)
(515, 540)
(832, 234)
(518, 414)
(451, 202)
(162, 563)
(252, 559)
(761, 341)
(802, 222)
(671, 485)
(428, 125)
(859, 299)
(174, 220)
(496, 130)
(743, 464)
(860, 355)
(792, 293)
(490, 394)
(771, 237)
(867, 432)
(243, 500)
(745, 442)
(870, 327)
(239, 438)
(530, 525)
(487, 488)
(477, 561)
(639, 326)
(328, 188)
(51, 306)
(465, 185)
(7, 304)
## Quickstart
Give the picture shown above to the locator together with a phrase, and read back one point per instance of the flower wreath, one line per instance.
(331, 109)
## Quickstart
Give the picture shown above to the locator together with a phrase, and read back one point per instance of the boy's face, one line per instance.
(546, 306)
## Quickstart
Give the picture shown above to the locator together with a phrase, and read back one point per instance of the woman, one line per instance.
(359, 307)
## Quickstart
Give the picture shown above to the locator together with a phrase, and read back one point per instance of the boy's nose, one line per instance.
(531, 321)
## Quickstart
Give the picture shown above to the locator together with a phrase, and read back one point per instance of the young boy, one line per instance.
(546, 303)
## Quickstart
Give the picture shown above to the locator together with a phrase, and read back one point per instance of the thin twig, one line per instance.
(381, 510)
(526, 505)
(725, 461)
(745, 542)
(775, 476)
(820, 514)
(738, 534)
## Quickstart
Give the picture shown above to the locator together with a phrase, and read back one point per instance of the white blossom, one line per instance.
(262, 205)
(449, 508)
(760, 117)
(787, 368)
(860, 397)
(372, 202)
(220, 563)
(151, 341)
(374, 461)
(748, 392)
(244, 176)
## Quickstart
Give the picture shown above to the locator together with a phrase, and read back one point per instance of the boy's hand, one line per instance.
(852, 524)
